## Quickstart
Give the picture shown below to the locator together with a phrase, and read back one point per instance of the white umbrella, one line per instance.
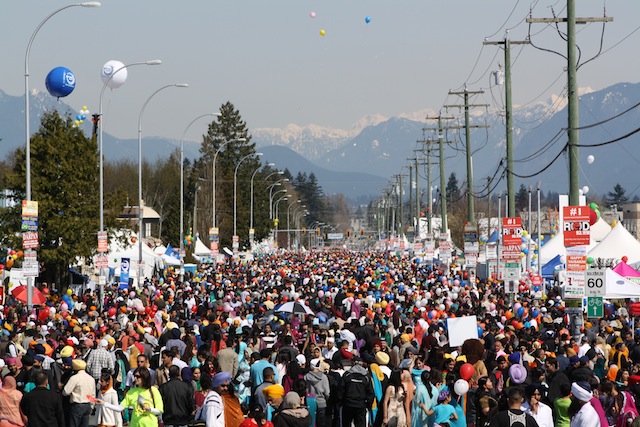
(295, 307)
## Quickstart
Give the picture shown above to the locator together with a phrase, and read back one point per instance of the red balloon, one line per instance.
(467, 371)
(593, 216)
(44, 314)
(625, 259)
(112, 311)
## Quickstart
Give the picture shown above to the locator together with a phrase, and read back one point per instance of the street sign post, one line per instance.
(595, 282)
(595, 308)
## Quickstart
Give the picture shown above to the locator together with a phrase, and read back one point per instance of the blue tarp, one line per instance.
(550, 267)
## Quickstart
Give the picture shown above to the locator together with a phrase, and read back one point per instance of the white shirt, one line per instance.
(212, 411)
(544, 417)
(583, 349)
(586, 417)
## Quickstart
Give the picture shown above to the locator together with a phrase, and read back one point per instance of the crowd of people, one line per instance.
(236, 345)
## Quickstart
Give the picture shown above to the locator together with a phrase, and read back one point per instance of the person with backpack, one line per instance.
(358, 394)
(318, 385)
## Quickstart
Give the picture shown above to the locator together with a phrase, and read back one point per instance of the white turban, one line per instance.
(582, 391)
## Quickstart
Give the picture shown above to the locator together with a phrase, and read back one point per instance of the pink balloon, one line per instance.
(312, 14)
(321, 293)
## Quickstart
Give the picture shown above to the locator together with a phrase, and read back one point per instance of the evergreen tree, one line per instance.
(223, 134)
(522, 198)
(617, 196)
(64, 182)
(453, 189)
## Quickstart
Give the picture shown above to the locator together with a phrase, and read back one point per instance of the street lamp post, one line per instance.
(140, 209)
(102, 279)
(235, 242)
(271, 204)
(289, 224)
(27, 130)
(276, 215)
(182, 190)
(215, 156)
(251, 233)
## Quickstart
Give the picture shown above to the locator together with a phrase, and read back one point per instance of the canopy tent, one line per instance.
(618, 243)
(599, 231)
(550, 267)
(201, 248)
(617, 286)
(625, 270)
(128, 249)
(555, 246)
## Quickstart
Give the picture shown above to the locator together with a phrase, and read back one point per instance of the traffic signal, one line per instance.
(362, 232)
(348, 233)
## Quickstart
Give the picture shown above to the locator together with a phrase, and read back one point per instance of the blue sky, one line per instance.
(269, 60)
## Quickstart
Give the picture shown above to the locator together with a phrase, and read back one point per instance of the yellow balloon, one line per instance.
(323, 32)
(84, 107)
(69, 292)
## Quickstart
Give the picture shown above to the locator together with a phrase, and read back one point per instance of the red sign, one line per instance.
(30, 240)
(512, 231)
(102, 261)
(103, 242)
(575, 227)
(536, 280)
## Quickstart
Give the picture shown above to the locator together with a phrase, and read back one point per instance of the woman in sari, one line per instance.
(10, 397)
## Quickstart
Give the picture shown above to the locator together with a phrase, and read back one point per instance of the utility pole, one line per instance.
(411, 194)
(508, 112)
(572, 95)
(427, 143)
(443, 194)
(467, 129)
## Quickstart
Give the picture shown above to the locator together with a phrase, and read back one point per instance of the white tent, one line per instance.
(618, 243)
(599, 231)
(119, 250)
(201, 248)
(617, 286)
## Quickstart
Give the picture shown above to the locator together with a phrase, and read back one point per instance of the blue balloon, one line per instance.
(527, 324)
(520, 311)
(60, 82)
(367, 19)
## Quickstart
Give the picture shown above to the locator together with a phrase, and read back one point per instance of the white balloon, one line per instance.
(585, 189)
(590, 158)
(461, 387)
(118, 78)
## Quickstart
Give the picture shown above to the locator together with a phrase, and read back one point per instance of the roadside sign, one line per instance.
(575, 227)
(595, 282)
(102, 261)
(573, 306)
(103, 243)
(512, 231)
(595, 308)
(30, 240)
(30, 266)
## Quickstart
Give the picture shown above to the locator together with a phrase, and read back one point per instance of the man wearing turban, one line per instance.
(212, 410)
(586, 415)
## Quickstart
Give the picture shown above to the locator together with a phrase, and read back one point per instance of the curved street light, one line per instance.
(251, 211)
(182, 188)
(235, 192)
(140, 209)
(215, 156)
(27, 130)
(101, 160)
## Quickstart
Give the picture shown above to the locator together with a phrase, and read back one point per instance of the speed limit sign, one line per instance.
(594, 280)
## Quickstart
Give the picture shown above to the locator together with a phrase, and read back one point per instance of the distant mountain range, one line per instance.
(360, 161)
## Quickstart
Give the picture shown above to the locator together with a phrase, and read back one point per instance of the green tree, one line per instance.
(64, 181)
(453, 189)
(617, 196)
(522, 198)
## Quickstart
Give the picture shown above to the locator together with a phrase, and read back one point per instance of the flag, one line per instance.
(124, 273)
(172, 252)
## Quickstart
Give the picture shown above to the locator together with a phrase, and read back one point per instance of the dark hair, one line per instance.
(174, 371)
(552, 361)
(105, 375)
(145, 376)
(515, 394)
(268, 372)
(257, 413)
(565, 389)
(205, 382)
(41, 378)
(168, 353)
